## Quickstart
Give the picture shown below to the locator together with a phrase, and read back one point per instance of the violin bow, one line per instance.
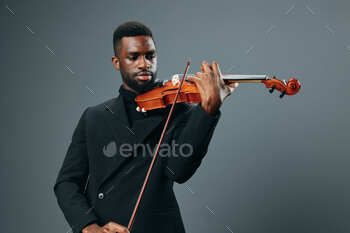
(132, 218)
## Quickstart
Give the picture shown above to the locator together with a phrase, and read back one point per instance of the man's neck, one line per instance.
(126, 87)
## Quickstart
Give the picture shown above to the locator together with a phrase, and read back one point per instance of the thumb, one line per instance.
(232, 86)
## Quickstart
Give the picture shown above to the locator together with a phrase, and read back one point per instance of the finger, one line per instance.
(115, 227)
(193, 79)
(202, 66)
(197, 80)
(198, 74)
(206, 68)
(216, 71)
(106, 230)
(213, 67)
(216, 68)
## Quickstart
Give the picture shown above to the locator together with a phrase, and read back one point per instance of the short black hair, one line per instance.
(127, 29)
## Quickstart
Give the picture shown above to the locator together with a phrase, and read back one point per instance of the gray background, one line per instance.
(274, 165)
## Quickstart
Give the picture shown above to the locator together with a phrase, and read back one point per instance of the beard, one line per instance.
(130, 80)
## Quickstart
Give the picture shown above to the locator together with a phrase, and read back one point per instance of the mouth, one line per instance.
(145, 76)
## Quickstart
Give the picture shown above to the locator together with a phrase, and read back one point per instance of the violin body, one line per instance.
(163, 96)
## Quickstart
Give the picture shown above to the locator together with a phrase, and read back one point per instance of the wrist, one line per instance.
(210, 109)
(211, 105)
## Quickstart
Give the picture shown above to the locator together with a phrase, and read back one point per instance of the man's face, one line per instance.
(137, 62)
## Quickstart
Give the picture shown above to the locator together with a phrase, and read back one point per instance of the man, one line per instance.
(103, 171)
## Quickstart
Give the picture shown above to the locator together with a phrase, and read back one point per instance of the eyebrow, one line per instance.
(137, 53)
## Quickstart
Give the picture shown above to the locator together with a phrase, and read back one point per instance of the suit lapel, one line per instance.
(117, 122)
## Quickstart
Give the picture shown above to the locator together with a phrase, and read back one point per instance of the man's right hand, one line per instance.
(93, 228)
(110, 227)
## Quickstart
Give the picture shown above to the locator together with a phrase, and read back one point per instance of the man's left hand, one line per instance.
(211, 87)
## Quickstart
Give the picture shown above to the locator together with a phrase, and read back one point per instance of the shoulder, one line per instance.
(103, 106)
(96, 111)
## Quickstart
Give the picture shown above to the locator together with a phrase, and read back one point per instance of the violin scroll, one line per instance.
(286, 88)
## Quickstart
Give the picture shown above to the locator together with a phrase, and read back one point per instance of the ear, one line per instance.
(115, 62)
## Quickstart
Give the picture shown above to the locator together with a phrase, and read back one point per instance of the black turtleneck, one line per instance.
(130, 105)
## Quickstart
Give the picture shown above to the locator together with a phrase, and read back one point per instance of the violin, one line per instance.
(161, 97)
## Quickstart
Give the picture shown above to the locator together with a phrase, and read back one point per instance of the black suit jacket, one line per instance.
(99, 183)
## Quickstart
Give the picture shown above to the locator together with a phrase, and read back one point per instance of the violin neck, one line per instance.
(244, 78)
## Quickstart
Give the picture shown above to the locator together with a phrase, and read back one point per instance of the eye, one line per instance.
(151, 56)
(132, 58)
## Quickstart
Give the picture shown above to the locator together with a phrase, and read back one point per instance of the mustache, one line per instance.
(145, 72)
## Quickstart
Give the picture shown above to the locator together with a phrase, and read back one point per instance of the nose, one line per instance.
(143, 63)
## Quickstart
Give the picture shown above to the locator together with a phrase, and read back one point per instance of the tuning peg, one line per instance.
(138, 108)
(282, 94)
(143, 110)
(272, 89)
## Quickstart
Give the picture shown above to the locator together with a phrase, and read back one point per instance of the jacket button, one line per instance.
(100, 196)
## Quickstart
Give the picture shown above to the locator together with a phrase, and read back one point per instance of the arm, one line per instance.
(195, 134)
(190, 141)
(71, 180)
